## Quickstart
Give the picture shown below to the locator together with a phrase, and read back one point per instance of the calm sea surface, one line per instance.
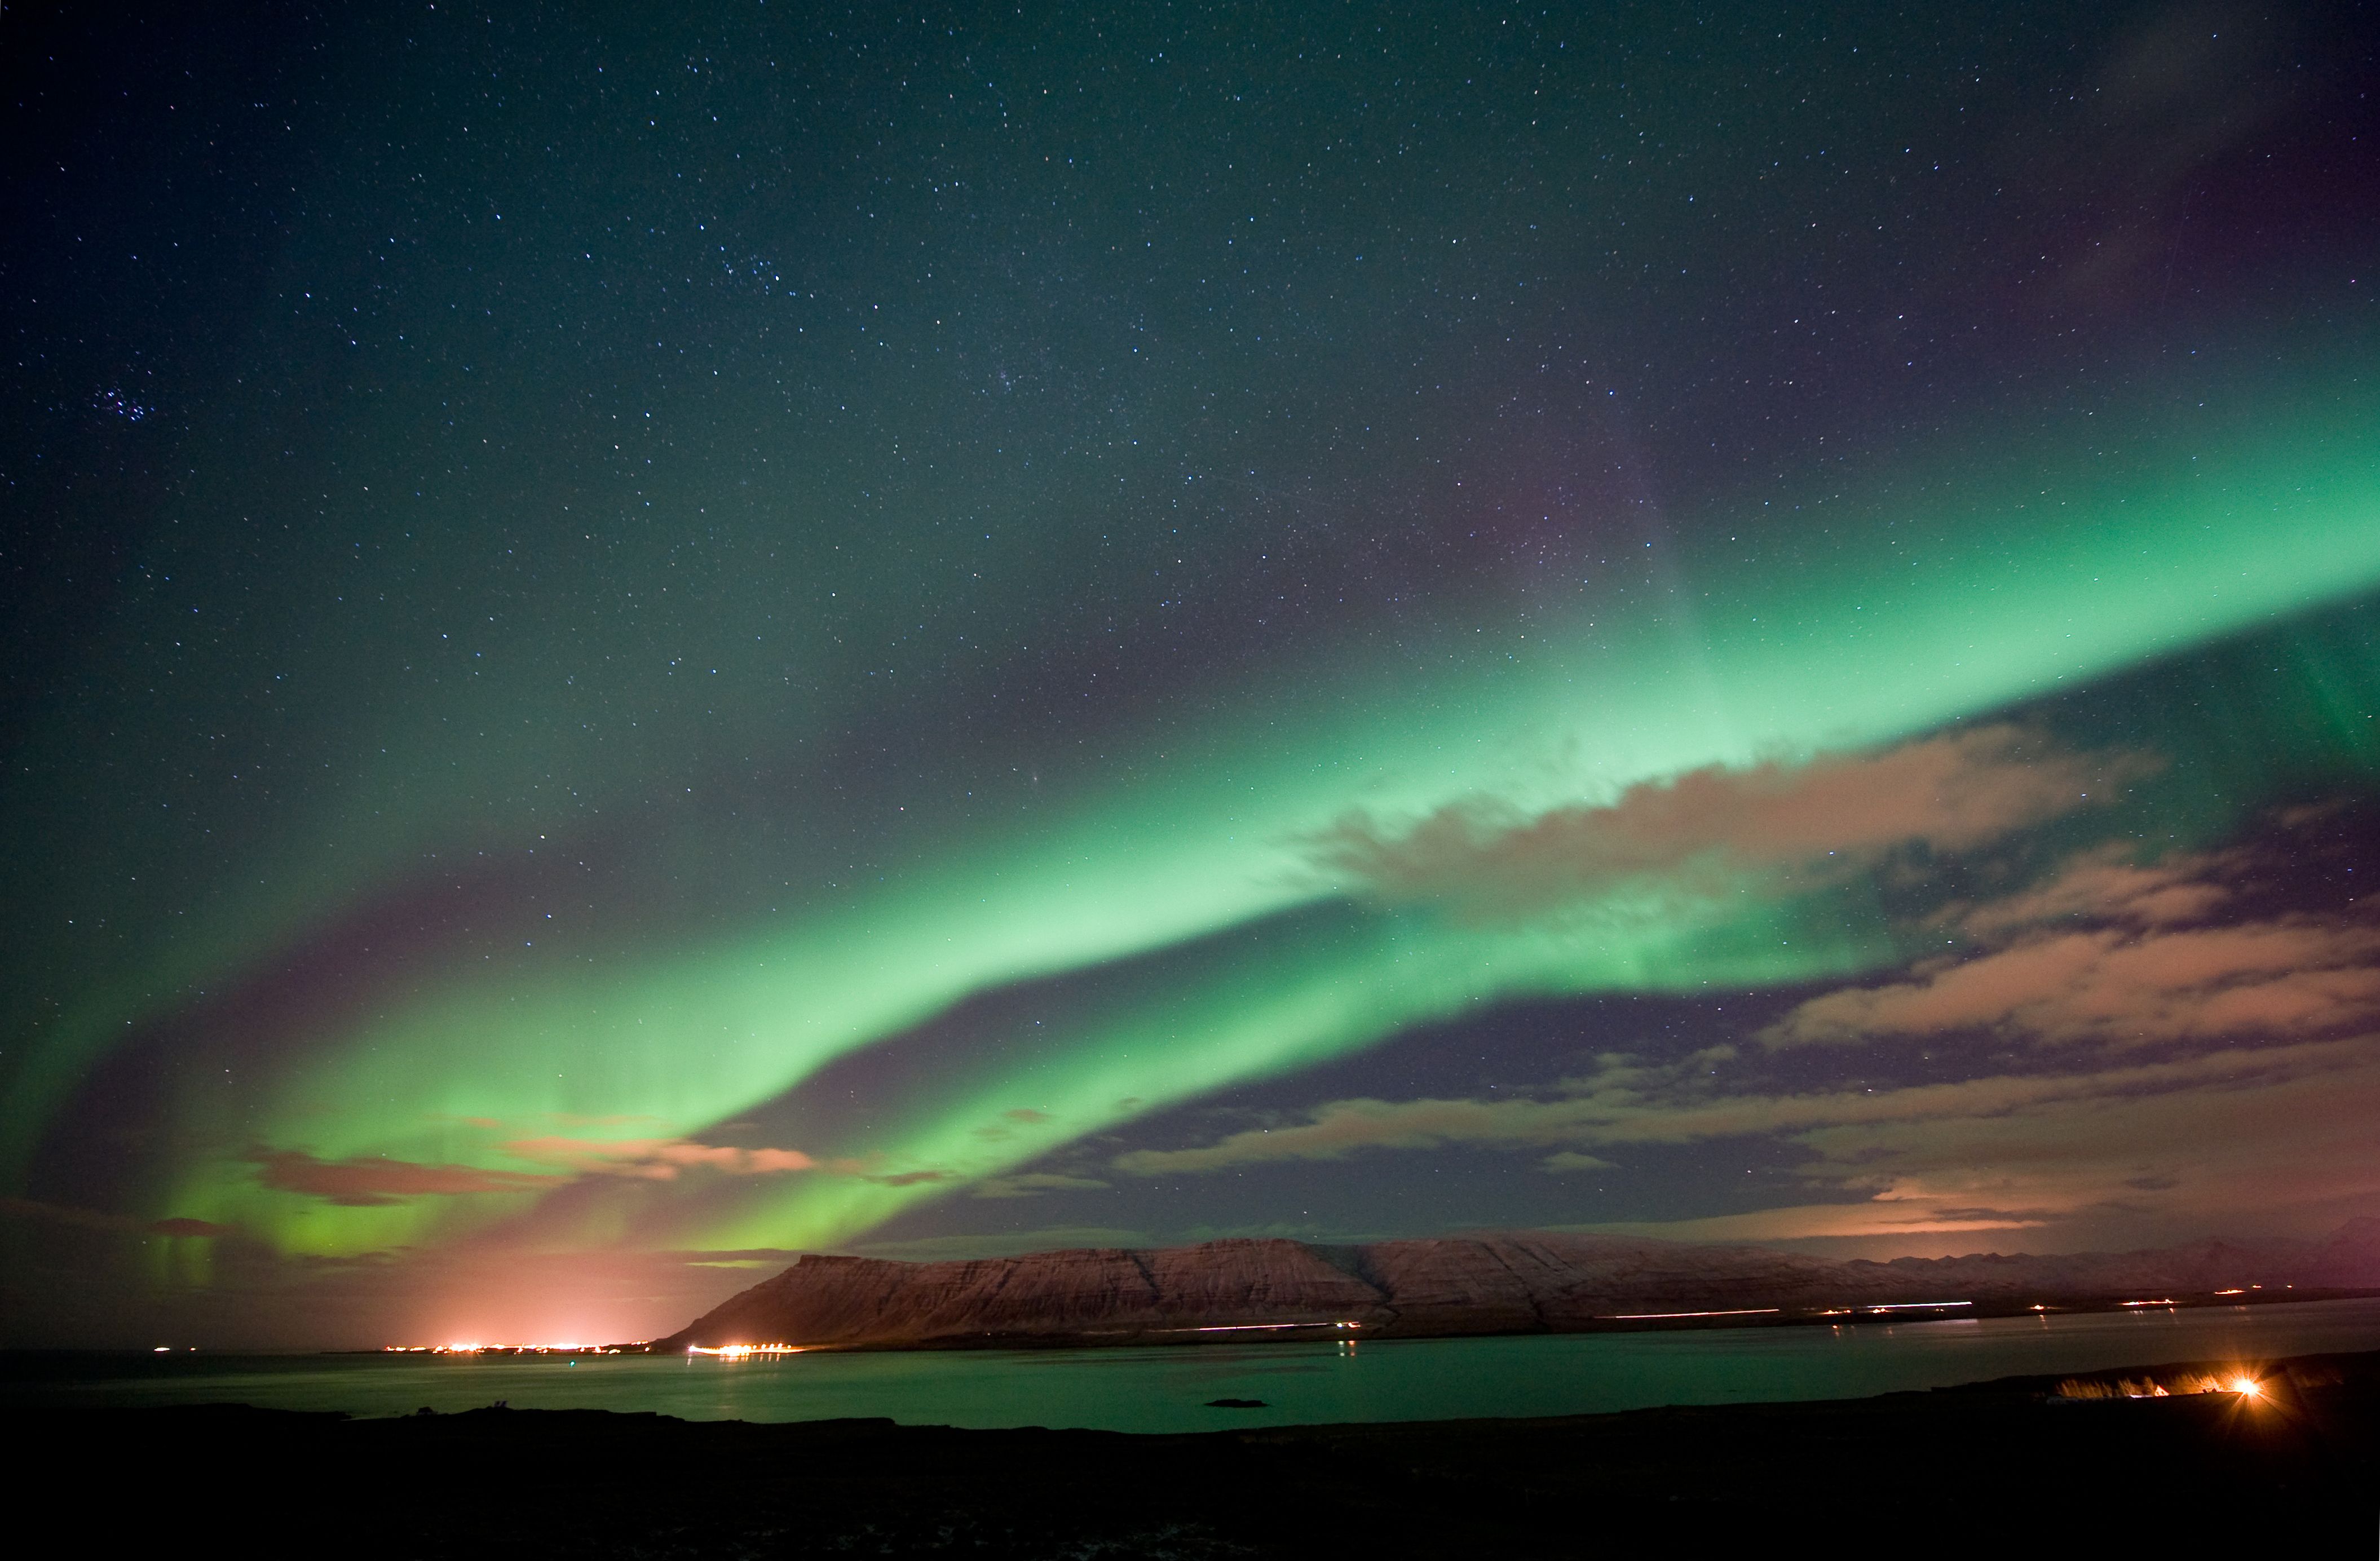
(1166, 1390)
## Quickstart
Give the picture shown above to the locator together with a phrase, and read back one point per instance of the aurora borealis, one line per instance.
(639, 642)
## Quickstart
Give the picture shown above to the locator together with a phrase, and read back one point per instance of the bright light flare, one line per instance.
(2247, 1387)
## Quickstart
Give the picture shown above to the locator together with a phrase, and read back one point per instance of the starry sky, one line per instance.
(638, 639)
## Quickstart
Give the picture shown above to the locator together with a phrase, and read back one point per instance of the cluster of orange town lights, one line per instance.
(744, 1351)
(2239, 1381)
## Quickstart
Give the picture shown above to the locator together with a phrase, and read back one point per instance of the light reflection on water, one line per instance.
(1166, 1389)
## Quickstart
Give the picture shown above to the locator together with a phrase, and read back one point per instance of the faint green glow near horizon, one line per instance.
(1296, 1008)
(1904, 628)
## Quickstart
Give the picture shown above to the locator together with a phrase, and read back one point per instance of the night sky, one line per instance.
(634, 642)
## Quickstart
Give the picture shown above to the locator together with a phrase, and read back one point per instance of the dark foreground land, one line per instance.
(2006, 1468)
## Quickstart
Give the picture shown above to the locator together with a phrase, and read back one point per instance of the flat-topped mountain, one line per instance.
(1508, 1282)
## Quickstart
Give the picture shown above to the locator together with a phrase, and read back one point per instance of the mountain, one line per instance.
(1527, 1281)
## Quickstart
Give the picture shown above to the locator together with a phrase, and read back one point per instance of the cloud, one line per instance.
(1025, 1114)
(2144, 974)
(1007, 1243)
(656, 1159)
(179, 1226)
(2261, 1137)
(1031, 1183)
(912, 1179)
(1571, 1160)
(370, 1180)
(1831, 814)
(1626, 1103)
(1803, 1222)
(1345, 1126)
(2269, 979)
(2297, 1137)
(99, 1219)
(2103, 887)
(63, 1214)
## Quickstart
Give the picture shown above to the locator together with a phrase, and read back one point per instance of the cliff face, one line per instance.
(1506, 1282)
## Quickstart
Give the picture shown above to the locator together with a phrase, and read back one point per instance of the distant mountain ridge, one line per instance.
(1527, 1281)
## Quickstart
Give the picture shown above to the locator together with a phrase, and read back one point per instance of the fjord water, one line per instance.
(1166, 1389)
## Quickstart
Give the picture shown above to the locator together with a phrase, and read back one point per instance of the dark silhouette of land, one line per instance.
(2025, 1466)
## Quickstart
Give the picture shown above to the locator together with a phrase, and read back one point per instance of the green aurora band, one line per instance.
(1196, 841)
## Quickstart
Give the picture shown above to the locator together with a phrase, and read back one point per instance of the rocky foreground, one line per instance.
(2000, 1469)
(1511, 1282)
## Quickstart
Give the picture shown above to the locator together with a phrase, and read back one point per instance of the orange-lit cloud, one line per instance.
(2256, 1149)
(179, 1226)
(1829, 814)
(2273, 979)
(1032, 1183)
(372, 1180)
(2103, 887)
(2144, 973)
(1805, 1222)
(655, 1159)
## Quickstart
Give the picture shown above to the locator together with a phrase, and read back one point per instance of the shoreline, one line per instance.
(1863, 1316)
(1967, 1470)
